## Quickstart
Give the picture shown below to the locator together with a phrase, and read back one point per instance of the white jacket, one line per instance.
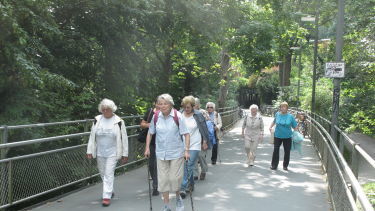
(121, 138)
(218, 123)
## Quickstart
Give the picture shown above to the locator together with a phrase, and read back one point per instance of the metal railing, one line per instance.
(41, 165)
(341, 160)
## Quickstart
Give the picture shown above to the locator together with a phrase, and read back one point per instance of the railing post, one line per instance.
(86, 129)
(4, 140)
(339, 140)
(10, 187)
(3, 168)
(355, 160)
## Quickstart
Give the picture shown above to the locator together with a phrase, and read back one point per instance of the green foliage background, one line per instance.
(59, 58)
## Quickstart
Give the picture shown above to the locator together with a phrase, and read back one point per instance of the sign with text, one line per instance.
(335, 70)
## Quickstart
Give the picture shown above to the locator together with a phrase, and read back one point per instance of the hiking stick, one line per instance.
(149, 184)
(191, 187)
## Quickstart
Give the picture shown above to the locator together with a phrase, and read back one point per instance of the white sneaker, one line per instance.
(179, 204)
(166, 208)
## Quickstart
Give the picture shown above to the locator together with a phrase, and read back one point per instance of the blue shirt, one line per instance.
(169, 145)
(284, 125)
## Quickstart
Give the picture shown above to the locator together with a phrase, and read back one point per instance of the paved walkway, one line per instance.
(229, 185)
(366, 142)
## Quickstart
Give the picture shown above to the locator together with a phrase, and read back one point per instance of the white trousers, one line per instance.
(106, 168)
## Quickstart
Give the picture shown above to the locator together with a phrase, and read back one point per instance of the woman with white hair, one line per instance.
(169, 128)
(252, 132)
(216, 119)
(108, 143)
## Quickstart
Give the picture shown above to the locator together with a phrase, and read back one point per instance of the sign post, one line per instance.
(338, 69)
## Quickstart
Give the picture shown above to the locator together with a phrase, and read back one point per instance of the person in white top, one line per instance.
(108, 143)
(252, 132)
(198, 131)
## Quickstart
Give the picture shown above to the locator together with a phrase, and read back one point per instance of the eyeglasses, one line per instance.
(210, 107)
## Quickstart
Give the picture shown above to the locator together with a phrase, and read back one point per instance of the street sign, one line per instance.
(335, 70)
(308, 19)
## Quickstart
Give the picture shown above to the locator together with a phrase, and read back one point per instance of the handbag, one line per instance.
(142, 135)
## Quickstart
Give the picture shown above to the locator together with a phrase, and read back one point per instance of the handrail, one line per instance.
(59, 123)
(41, 140)
(61, 166)
(353, 180)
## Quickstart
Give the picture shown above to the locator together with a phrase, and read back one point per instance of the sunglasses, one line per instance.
(210, 107)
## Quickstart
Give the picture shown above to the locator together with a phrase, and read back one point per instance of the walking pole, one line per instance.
(218, 147)
(191, 188)
(149, 184)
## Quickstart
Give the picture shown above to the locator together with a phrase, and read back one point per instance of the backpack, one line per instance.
(143, 133)
(211, 131)
(175, 117)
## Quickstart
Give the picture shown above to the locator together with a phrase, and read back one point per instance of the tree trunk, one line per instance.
(188, 89)
(224, 66)
(287, 69)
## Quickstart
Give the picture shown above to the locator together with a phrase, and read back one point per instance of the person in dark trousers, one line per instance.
(284, 122)
(216, 119)
(145, 124)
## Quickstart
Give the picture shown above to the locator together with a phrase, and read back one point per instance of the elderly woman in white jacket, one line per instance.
(252, 131)
(215, 117)
(108, 143)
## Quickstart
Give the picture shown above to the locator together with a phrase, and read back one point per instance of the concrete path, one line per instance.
(366, 142)
(229, 185)
(366, 173)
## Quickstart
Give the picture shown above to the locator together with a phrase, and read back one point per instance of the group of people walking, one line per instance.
(177, 141)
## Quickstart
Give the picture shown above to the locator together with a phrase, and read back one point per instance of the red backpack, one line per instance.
(175, 118)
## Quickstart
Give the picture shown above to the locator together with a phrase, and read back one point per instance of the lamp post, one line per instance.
(305, 18)
(316, 38)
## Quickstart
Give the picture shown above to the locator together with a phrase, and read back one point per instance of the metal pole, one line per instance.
(4, 191)
(4, 140)
(336, 81)
(316, 39)
(299, 75)
(10, 187)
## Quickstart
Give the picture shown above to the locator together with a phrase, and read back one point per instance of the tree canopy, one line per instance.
(59, 58)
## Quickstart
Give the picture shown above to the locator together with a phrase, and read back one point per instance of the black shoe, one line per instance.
(285, 168)
(203, 176)
(273, 168)
(183, 194)
(195, 177)
(155, 192)
(213, 162)
(113, 195)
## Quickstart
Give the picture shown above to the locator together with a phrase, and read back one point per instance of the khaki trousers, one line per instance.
(170, 174)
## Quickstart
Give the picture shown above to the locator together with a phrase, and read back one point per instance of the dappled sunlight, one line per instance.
(232, 185)
(220, 195)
